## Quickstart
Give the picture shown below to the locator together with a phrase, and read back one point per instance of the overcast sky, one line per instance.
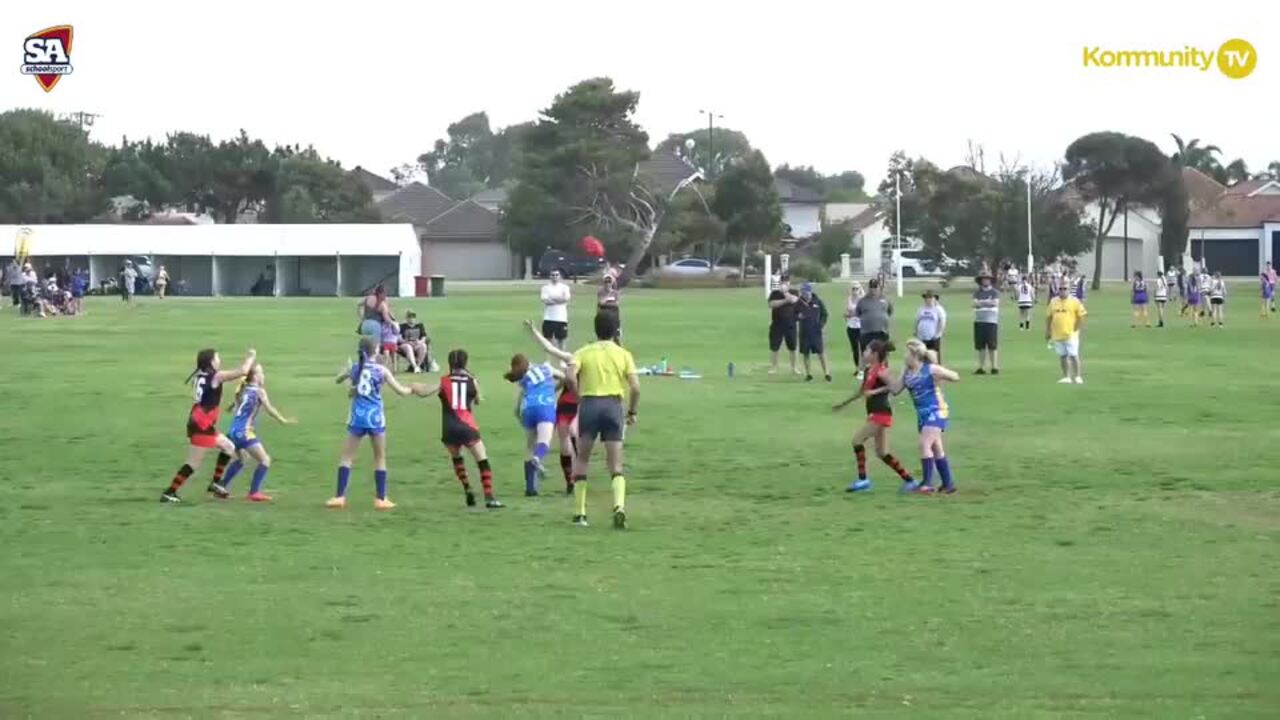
(837, 85)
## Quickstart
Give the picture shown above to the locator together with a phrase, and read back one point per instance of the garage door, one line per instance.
(1233, 258)
(462, 260)
(1113, 263)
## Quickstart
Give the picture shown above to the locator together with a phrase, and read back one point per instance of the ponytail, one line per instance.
(204, 361)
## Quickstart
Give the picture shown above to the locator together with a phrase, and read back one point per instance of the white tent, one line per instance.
(230, 259)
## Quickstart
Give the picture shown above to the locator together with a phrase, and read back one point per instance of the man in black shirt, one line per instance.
(782, 323)
(415, 343)
(813, 318)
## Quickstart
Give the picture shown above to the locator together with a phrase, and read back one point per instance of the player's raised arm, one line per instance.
(246, 366)
(546, 344)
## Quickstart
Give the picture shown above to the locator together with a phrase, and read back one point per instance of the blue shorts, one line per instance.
(244, 441)
(366, 431)
(931, 420)
(535, 415)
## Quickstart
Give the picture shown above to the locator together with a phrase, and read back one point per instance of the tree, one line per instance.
(241, 177)
(50, 171)
(578, 159)
(473, 158)
(1115, 171)
(713, 152)
(834, 240)
(802, 176)
(848, 186)
(1236, 171)
(1273, 171)
(138, 169)
(1201, 157)
(311, 189)
(747, 203)
(904, 169)
(1175, 216)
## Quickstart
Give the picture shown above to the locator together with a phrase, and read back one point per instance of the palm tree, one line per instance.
(1201, 157)
(1272, 172)
(1236, 171)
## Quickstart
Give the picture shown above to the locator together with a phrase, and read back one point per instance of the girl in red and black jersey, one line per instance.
(459, 393)
(875, 388)
(567, 426)
(202, 422)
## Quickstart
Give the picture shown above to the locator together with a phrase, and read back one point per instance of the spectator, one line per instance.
(129, 279)
(390, 344)
(853, 324)
(1062, 328)
(162, 282)
(782, 323)
(415, 344)
(931, 323)
(79, 286)
(874, 311)
(555, 313)
(373, 312)
(13, 279)
(813, 318)
(607, 298)
(986, 324)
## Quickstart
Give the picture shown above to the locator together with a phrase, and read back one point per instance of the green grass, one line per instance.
(1112, 554)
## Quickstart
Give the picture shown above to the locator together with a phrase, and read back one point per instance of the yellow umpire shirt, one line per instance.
(603, 367)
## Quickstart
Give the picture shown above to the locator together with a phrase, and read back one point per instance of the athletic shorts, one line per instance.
(811, 343)
(390, 348)
(1025, 306)
(1217, 301)
(202, 428)
(1161, 300)
(779, 334)
(245, 440)
(534, 415)
(1069, 347)
(934, 345)
(362, 431)
(1268, 292)
(457, 434)
(986, 336)
(881, 419)
(566, 414)
(1140, 299)
(601, 418)
(931, 420)
(1193, 300)
(555, 330)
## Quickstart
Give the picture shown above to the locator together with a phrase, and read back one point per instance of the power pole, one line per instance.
(85, 119)
(711, 142)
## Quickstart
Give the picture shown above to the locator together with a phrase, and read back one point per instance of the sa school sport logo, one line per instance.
(47, 55)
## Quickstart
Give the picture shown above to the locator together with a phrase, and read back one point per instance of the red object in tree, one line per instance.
(592, 246)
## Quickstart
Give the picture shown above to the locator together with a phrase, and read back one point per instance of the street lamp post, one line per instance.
(711, 141)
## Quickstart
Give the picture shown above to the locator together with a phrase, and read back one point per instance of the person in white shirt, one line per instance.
(1162, 297)
(555, 313)
(853, 323)
(1026, 294)
(1217, 299)
(931, 323)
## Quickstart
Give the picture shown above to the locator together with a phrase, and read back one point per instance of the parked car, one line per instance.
(913, 264)
(694, 267)
(570, 265)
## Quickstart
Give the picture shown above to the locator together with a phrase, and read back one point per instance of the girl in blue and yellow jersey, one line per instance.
(367, 418)
(202, 422)
(875, 387)
(536, 411)
(251, 398)
(923, 377)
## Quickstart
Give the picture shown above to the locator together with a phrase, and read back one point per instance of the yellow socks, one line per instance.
(619, 492)
(580, 494)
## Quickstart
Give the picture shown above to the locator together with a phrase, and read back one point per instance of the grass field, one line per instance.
(1112, 552)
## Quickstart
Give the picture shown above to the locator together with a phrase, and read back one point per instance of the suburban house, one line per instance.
(1237, 231)
(801, 209)
(458, 239)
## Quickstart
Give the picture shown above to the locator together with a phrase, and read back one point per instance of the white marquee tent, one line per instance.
(230, 259)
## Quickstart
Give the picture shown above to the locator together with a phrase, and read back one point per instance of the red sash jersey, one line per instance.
(566, 407)
(202, 421)
(457, 396)
(879, 409)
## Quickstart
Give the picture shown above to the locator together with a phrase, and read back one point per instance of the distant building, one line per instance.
(1237, 231)
(801, 209)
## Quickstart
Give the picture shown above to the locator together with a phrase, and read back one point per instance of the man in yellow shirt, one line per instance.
(1062, 326)
(607, 376)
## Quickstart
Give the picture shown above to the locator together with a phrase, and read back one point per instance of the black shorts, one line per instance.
(780, 333)
(457, 434)
(811, 343)
(1217, 301)
(986, 336)
(867, 338)
(853, 334)
(601, 418)
(934, 345)
(555, 330)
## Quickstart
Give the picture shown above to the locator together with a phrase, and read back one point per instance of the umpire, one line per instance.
(606, 377)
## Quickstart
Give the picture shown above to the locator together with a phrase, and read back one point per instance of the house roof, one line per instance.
(492, 196)
(665, 171)
(1201, 188)
(864, 219)
(465, 220)
(415, 203)
(373, 181)
(1237, 211)
(789, 192)
(1247, 187)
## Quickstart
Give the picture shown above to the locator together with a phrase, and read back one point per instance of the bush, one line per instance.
(808, 269)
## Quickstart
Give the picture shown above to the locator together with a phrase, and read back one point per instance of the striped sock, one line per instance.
(486, 477)
(221, 467)
(566, 466)
(893, 463)
(180, 477)
(860, 451)
(460, 469)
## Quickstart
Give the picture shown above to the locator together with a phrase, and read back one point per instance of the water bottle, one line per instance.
(731, 368)
(662, 366)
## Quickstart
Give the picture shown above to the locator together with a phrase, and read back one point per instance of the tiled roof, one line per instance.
(1201, 188)
(465, 220)
(665, 171)
(415, 203)
(1237, 211)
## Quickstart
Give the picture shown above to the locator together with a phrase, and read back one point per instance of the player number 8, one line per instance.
(365, 385)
